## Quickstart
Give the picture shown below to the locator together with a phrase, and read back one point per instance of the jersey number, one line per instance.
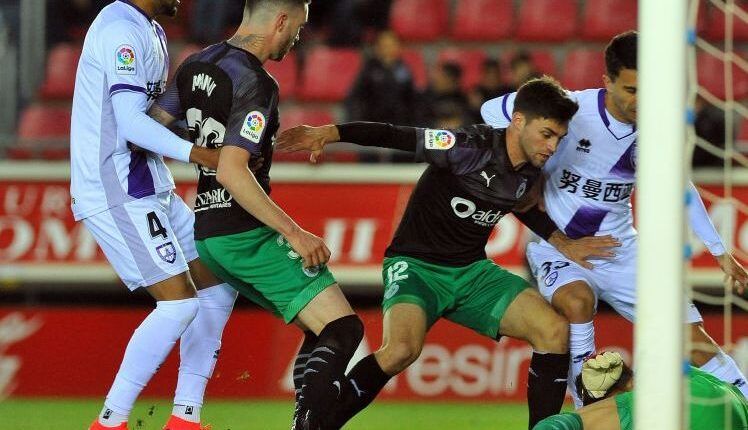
(396, 272)
(155, 227)
(545, 269)
(207, 133)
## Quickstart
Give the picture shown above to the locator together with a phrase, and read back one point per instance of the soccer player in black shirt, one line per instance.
(229, 101)
(436, 266)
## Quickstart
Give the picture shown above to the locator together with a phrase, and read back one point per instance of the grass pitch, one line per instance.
(69, 414)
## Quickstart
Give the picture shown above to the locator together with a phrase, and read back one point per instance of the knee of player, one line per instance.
(398, 355)
(344, 333)
(183, 311)
(578, 307)
(554, 335)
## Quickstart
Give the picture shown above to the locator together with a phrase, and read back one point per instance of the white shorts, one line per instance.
(613, 282)
(146, 240)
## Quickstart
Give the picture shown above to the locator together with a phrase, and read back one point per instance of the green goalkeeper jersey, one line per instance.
(714, 405)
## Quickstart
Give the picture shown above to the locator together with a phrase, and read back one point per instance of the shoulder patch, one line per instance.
(125, 60)
(439, 139)
(254, 125)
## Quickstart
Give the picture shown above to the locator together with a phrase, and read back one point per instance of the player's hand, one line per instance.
(311, 248)
(583, 249)
(735, 274)
(306, 138)
(206, 157)
(600, 373)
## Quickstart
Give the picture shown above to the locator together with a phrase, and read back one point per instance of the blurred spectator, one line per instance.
(65, 15)
(522, 69)
(9, 19)
(710, 126)
(490, 86)
(210, 18)
(352, 18)
(383, 91)
(443, 97)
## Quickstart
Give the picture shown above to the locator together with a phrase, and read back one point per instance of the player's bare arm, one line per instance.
(233, 174)
(734, 272)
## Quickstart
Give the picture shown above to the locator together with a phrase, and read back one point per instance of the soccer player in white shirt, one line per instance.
(125, 199)
(587, 190)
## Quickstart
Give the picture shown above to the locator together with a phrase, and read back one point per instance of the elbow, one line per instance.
(223, 176)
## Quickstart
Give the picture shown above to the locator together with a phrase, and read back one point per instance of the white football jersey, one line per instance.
(124, 50)
(590, 179)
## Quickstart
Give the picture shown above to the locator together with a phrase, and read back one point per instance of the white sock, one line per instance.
(187, 413)
(148, 347)
(109, 418)
(199, 348)
(723, 367)
(581, 345)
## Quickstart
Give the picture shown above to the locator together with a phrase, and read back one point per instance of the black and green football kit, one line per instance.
(227, 98)
(437, 258)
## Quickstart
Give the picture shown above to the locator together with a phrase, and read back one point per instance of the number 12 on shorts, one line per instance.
(396, 272)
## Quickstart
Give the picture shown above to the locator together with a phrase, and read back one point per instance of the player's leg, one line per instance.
(305, 351)
(139, 241)
(496, 302)
(565, 286)
(275, 278)
(404, 331)
(709, 357)
(415, 294)
(200, 343)
(530, 318)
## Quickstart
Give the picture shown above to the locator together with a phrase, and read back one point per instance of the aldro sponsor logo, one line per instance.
(464, 208)
(213, 199)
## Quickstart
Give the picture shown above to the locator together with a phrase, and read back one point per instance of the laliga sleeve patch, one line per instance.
(254, 125)
(439, 139)
(125, 60)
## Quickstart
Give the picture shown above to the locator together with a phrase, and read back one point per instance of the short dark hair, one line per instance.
(252, 5)
(545, 98)
(621, 53)
(620, 385)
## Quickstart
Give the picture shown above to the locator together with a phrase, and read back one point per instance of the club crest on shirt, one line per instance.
(167, 252)
(522, 188)
(125, 60)
(254, 125)
(439, 139)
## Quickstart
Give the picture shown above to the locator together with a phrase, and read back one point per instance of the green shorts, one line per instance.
(475, 296)
(261, 265)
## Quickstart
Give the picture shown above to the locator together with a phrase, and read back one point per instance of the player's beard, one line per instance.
(169, 8)
(278, 56)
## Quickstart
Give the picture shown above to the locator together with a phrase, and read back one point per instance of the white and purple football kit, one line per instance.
(587, 191)
(125, 198)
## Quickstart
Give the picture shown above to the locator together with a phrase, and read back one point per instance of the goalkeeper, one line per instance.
(606, 388)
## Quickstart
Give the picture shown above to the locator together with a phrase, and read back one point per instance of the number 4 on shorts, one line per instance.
(155, 227)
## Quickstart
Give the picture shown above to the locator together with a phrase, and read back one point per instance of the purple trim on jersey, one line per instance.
(503, 107)
(134, 6)
(601, 107)
(169, 102)
(162, 39)
(585, 222)
(604, 115)
(625, 167)
(117, 88)
(139, 180)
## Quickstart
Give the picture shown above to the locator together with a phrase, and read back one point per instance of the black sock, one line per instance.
(364, 382)
(546, 385)
(325, 368)
(310, 340)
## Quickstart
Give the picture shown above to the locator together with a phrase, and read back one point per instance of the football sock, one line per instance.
(363, 383)
(546, 385)
(325, 368)
(200, 345)
(299, 365)
(147, 349)
(187, 412)
(581, 345)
